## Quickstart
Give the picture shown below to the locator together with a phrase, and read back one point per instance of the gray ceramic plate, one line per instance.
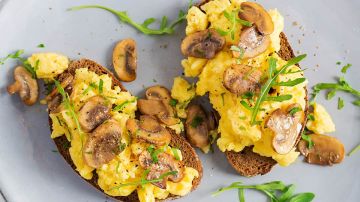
(327, 30)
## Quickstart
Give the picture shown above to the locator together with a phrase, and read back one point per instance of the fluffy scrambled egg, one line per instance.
(183, 92)
(322, 122)
(234, 125)
(48, 65)
(124, 168)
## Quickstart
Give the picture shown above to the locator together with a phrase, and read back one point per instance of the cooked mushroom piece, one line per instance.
(213, 119)
(166, 163)
(286, 128)
(159, 108)
(197, 127)
(25, 85)
(203, 44)
(124, 60)
(240, 79)
(149, 130)
(255, 13)
(93, 113)
(327, 150)
(158, 93)
(103, 144)
(252, 43)
(54, 98)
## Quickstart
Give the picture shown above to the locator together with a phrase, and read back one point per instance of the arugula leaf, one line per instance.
(101, 84)
(303, 197)
(294, 110)
(91, 86)
(232, 18)
(41, 45)
(340, 103)
(241, 195)
(173, 102)
(345, 68)
(264, 91)
(164, 28)
(246, 105)
(121, 106)
(311, 117)
(24, 62)
(357, 148)
(290, 82)
(176, 154)
(143, 180)
(288, 192)
(357, 103)
(70, 107)
(307, 138)
(330, 94)
(279, 98)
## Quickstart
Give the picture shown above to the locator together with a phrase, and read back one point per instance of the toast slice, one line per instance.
(248, 163)
(190, 158)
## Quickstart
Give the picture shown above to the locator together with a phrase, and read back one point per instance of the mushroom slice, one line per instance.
(166, 163)
(327, 150)
(159, 108)
(286, 128)
(255, 13)
(240, 79)
(25, 85)
(252, 43)
(103, 144)
(158, 93)
(54, 98)
(203, 44)
(149, 130)
(93, 113)
(64, 84)
(196, 126)
(124, 60)
(213, 120)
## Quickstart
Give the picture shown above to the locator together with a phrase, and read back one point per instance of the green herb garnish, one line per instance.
(340, 103)
(41, 45)
(311, 117)
(143, 180)
(24, 62)
(345, 68)
(307, 138)
(154, 153)
(330, 94)
(291, 82)
(101, 86)
(90, 87)
(247, 95)
(246, 105)
(164, 28)
(294, 110)
(122, 147)
(232, 18)
(173, 102)
(70, 107)
(240, 50)
(338, 63)
(197, 120)
(121, 106)
(273, 74)
(280, 98)
(277, 191)
(176, 154)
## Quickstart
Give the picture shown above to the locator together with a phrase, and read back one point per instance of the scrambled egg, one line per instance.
(183, 92)
(48, 65)
(234, 125)
(322, 122)
(124, 168)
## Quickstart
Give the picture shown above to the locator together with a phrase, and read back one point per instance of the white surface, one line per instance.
(30, 171)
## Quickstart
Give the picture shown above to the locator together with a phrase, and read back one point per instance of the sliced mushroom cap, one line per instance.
(159, 108)
(196, 126)
(327, 150)
(25, 85)
(255, 13)
(158, 93)
(240, 79)
(213, 120)
(252, 43)
(286, 128)
(94, 112)
(54, 98)
(166, 163)
(124, 60)
(103, 144)
(149, 130)
(203, 44)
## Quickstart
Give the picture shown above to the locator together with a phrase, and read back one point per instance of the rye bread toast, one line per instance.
(247, 163)
(190, 158)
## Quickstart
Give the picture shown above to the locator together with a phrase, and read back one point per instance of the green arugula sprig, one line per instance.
(277, 191)
(273, 75)
(307, 138)
(144, 181)
(121, 106)
(232, 18)
(165, 27)
(70, 107)
(25, 63)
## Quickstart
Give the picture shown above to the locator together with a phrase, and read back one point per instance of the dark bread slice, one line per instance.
(190, 158)
(248, 163)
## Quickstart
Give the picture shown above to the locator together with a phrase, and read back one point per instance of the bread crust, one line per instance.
(190, 158)
(247, 163)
